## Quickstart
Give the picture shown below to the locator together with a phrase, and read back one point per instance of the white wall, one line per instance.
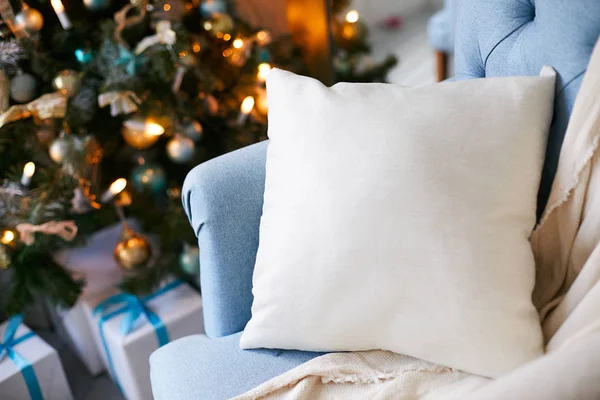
(374, 11)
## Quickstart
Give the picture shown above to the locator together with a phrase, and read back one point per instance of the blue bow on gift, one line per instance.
(133, 307)
(7, 349)
(128, 59)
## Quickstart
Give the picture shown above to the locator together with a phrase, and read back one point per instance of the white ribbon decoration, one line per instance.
(121, 102)
(164, 35)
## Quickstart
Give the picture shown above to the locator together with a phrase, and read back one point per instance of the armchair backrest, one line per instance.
(518, 37)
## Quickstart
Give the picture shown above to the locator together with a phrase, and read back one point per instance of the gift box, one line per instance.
(95, 263)
(128, 329)
(29, 368)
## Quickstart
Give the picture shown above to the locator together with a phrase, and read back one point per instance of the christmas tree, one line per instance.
(106, 105)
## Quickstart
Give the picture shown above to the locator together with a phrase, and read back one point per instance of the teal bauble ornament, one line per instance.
(96, 5)
(189, 260)
(23, 88)
(180, 149)
(84, 56)
(149, 177)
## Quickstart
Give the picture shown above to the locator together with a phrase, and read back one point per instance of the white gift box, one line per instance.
(46, 365)
(94, 262)
(179, 309)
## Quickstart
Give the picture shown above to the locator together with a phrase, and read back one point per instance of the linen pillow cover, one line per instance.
(399, 219)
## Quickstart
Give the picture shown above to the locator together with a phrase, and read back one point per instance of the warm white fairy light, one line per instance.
(245, 109)
(263, 71)
(352, 16)
(115, 188)
(7, 237)
(59, 9)
(28, 172)
(153, 129)
(238, 43)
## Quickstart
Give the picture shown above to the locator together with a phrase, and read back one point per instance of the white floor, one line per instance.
(416, 66)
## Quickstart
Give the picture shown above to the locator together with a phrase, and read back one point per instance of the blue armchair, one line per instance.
(223, 197)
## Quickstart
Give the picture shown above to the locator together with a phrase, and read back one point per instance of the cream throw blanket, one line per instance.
(566, 244)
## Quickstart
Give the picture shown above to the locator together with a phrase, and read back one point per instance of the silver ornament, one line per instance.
(189, 260)
(67, 82)
(22, 88)
(30, 20)
(180, 149)
(193, 130)
(59, 149)
(96, 5)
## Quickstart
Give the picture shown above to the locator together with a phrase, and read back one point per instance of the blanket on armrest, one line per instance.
(566, 245)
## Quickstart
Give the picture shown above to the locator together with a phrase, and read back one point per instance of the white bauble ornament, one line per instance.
(180, 149)
(193, 130)
(59, 149)
(22, 88)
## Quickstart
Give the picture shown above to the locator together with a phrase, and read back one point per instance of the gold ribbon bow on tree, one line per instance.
(164, 35)
(51, 105)
(66, 230)
(123, 21)
(121, 102)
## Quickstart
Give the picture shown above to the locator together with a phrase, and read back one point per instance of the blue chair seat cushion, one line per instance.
(199, 367)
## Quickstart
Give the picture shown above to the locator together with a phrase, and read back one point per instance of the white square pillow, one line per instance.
(399, 219)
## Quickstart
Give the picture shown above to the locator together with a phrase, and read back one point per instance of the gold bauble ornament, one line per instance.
(67, 82)
(133, 251)
(30, 20)
(5, 256)
(140, 133)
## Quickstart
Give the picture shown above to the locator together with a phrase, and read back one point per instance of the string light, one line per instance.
(227, 52)
(115, 188)
(59, 9)
(263, 71)
(28, 171)
(245, 109)
(167, 7)
(7, 237)
(227, 37)
(196, 47)
(352, 16)
(154, 129)
(238, 43)
(207, 25)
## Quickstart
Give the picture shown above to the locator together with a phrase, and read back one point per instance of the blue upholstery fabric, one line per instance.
(441, 27)
(197, 367)
(517, 37)
(223, 200)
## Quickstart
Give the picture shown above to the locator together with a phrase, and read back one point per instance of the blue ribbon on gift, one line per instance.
(7, 349)
(133, 307)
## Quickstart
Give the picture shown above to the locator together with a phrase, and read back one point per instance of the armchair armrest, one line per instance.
(223, 199)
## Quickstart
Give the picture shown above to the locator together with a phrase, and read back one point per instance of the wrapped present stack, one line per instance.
(29, 367)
